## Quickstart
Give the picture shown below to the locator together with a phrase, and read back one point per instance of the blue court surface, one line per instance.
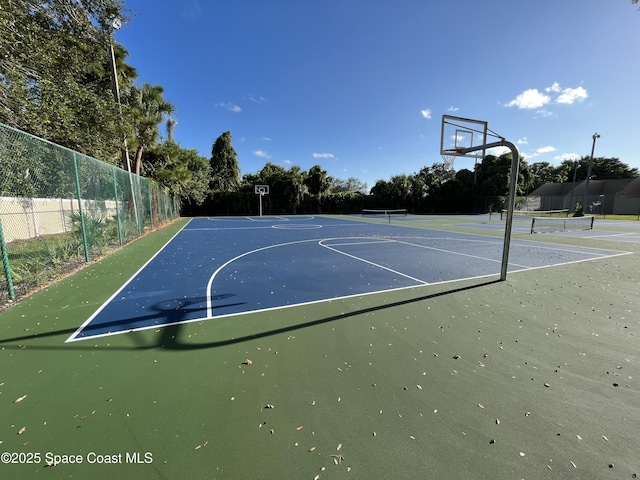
(218, 267)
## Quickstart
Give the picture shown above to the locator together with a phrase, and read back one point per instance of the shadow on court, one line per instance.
(170, 331)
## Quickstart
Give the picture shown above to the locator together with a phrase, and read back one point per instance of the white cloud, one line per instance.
(545, 150)
(323, 155)
(452, 109)
(232, 107)
(523, 141)
(261, 153)
(426, 113)
(553, 88)
(255, 99)
(535, 99)
(288, 162)
(458, 139)
(528, 99)
(544, 113)
(266, 139)
(191, 9)
(541, 151)
(567, 156)
(497, 151)
(571, 95)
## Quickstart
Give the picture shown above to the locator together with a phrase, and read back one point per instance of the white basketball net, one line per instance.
(448, 161)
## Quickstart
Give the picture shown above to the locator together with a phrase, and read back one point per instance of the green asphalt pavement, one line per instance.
(536, 377)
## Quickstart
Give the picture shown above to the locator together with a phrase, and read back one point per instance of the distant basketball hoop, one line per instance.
(261, 190)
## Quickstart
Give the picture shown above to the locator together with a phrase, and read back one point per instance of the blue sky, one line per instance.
(360, 86)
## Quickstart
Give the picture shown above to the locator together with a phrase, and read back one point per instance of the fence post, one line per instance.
(5, 262)
(139, 207)
(82, 223)
(115, 189)
(149, 187)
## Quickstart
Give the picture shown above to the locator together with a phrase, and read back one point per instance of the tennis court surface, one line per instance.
(220, 267)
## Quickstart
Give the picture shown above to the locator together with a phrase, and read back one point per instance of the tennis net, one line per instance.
(386, 213)
(559, 224)
(535, 213)
(402, 212)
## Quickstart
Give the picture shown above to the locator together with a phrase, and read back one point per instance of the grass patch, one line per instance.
(38, 261)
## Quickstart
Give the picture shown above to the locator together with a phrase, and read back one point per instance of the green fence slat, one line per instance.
(5, 263)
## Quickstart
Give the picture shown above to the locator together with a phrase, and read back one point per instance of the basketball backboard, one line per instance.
(460, 133)
(261, 189)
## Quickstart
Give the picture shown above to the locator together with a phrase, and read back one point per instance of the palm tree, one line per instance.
(148, 110)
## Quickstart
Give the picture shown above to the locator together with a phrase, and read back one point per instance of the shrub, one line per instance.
(579, 212)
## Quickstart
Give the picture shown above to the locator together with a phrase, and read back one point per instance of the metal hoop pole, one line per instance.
(513, 183)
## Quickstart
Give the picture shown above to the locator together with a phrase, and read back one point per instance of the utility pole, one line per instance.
(586, 186)
(575, 171)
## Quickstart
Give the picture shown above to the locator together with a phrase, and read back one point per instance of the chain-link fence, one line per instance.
(619, 203)
(59, 209)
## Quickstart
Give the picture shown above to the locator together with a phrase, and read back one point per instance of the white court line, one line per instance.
(626, 234)
(279, 218)
(570, 262)
(213, 229)
(225, 264)
(477, 257)
(564, 248)
(361, 243)
(228, 262)
(73, 338)
(371, 263)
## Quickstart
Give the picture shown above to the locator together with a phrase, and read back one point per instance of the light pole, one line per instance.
(116, 23)
(586, 187)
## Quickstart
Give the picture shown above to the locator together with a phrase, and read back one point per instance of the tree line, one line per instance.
(433, 189)
(436, 189)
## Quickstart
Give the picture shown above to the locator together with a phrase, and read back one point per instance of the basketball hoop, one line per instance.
(261, 190)
(449, 157)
